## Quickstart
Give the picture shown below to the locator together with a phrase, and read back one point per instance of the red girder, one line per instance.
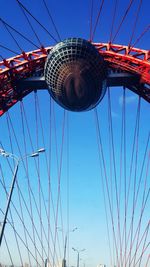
(119, 57)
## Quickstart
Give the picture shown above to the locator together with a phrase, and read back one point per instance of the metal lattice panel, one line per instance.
(75, 72)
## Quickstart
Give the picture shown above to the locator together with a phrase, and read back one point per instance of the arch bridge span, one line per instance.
(20, 75)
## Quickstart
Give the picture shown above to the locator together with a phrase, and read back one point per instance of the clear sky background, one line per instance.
(86, 202)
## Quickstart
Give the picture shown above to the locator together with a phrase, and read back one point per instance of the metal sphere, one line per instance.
(75, 74)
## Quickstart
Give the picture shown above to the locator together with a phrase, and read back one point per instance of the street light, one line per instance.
(65, 247)
(18, 160)
(78, 254)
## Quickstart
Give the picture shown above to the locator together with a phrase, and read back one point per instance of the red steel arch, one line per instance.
(118, 58)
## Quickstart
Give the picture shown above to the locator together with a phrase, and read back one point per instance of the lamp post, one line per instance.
(78, 254)
(17, 160)
(65, 247)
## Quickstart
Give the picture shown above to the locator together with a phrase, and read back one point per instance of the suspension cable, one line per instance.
(28, 181)
(51, 19)
(135, 23)
(124, 17)
(19, 236)
(50, 195)
(43, 27)
(16, 42)
(20, 202)
(31, 191)
(97, 20)
(91, 19)
(19, 33)
(8, 49)
(28, 211)
(140, 37)
(59, 185)
(135, 178)
(130, 175)
(106, 182)
(37, 37)
(19, 193)
(114, 167)
(113, 20)
(23, 163)
(38, 168)
(104, 194)
(10, 256)
(143, 199)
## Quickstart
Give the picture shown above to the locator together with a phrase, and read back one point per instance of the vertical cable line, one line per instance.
(91, 19)
(113, 20)
(123, 170)
(140, 37)
(135, 23)
(140, 243)
(12, 224)
(36, 20)
(68, 185)
(106, 182)
(123, 19)
(130, 174)
(50, 197)
(49, 174)
(38, 212)
(30, 187)
(48, 170)
(10, 256)
(38, 168)
(52, 200)
(60, 201)
(104, 196)
(59, 184)
(143, 199)
(22, 162)
(51, 19)
(20, 203)
(17, 212)
(145, 246)
(144, 202)
(57, 160)
(121, 165)
(37, 209)
(111, 170)
(4, 187)
(97, 19)
(27, 173)
(114, 167)
(19, 236)
(19, 251)
(135, 179)
(36, 250)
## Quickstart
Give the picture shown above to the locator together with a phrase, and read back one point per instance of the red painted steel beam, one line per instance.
(117, 58)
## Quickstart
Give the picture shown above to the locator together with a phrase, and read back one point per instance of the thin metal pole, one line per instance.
(78, 259)
(8, 201)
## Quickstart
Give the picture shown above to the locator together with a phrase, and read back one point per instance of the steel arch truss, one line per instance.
(127, 66)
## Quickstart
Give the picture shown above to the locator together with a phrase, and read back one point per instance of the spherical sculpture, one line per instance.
(75, 74)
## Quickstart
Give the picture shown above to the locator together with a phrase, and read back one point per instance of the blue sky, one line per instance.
(86, 202)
